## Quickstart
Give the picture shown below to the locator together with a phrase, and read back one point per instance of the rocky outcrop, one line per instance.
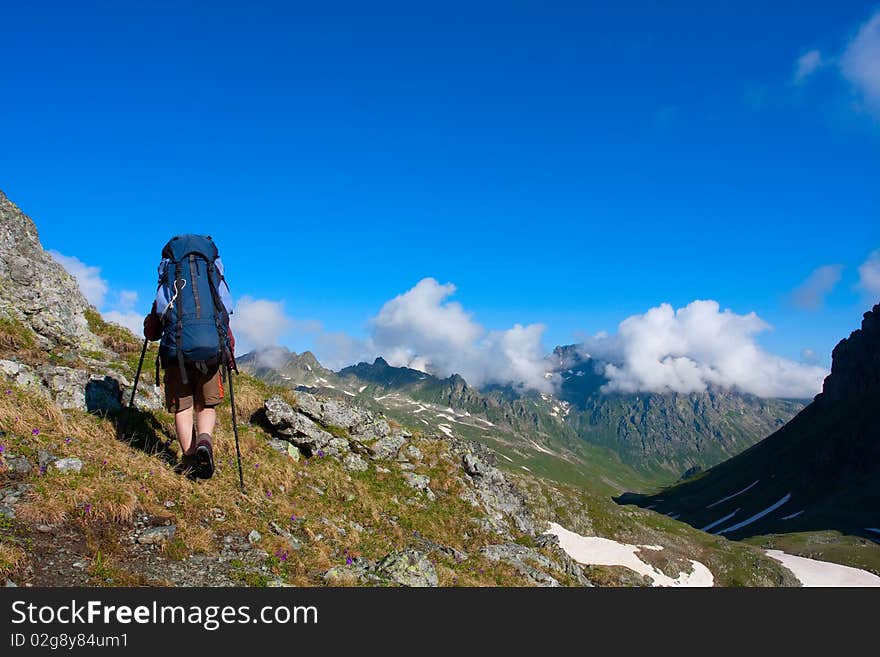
(855, 367)
(36, 290)
(409, 568)
(334, 428)
(502, 500)
(72, 388)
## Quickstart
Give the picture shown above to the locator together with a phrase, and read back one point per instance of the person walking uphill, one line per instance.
(190, 316)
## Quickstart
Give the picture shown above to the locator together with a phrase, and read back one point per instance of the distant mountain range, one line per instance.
(820, 471)
(661, 436)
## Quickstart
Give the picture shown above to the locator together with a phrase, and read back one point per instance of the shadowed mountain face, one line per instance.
(820, 471)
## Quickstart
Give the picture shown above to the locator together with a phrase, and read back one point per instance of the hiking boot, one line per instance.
(204, 457)
(186, 466)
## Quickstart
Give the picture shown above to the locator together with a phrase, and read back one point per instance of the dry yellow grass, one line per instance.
(12, 559)
(315, 499)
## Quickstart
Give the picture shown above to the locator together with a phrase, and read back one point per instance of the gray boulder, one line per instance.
(354, 463)
(67, 465)
(307, 403)
(18, 465)
(385, 449)
(157, 535)
(408, 568)
(299, 429)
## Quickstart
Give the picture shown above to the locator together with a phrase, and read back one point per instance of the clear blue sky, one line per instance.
(564, 163)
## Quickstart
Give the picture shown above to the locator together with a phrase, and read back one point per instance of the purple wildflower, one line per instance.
(349, 561)
(42, 469)
(268, 493)
(2, 449)
(256, 465)
(67, 441)
(35, 432)
(292, 518)
(8, 392)
(104, 462)
(87, 508)
(321, 453)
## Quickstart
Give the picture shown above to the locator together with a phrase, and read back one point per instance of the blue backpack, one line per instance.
(196, 322)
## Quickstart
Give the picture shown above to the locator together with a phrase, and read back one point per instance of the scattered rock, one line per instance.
(157, 535)
(254, 537)
(292, 540)
(385, 449)
(414, 453)
(417, 481)
(18, 465)
(67, 465)
(44, 459)
(354, 463)
(408, 568)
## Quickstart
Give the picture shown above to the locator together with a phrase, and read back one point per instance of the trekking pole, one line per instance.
(138, 374)
(235, 427)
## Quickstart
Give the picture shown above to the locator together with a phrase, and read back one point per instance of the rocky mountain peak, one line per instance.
(855, 362)
(35, 290)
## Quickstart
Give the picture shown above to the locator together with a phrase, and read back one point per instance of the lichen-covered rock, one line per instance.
(18, 465)
(157, 535)
(408, 568)
(354, 463)
(499, 496)
(385, 449)
(67, 465)
(307, 403)
(524, 559)
(300, 430)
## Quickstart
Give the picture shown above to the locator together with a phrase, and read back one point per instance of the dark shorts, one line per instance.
(202, 389)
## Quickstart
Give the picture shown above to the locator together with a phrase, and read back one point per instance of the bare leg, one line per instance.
(206, 418)
(183, 423)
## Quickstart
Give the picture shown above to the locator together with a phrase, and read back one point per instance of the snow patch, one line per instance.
(597, 551)
(757, 516)
(445, 429)
(538, 447)
(812, 572)
(793, 515)
(719, 521)
(730, 497)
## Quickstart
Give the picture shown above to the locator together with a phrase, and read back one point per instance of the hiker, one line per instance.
(190, 316)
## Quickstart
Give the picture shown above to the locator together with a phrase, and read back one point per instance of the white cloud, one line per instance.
(93, 286)
(806, 65)
(869, 274)
(860, 63)
(689, 349)
(422, 329)
(131, 320)
(810, 295)
(95, 289)
(338, 350)
(127, 299)
(259, 324)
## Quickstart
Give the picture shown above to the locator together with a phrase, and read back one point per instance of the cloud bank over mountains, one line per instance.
(691, 348)
(662, 350)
